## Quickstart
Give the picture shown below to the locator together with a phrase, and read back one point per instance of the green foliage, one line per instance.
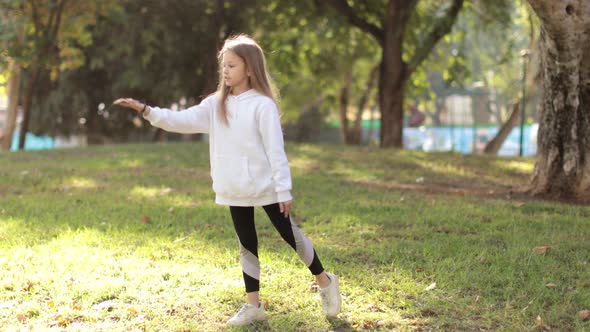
(74, 234)
(309, 55)
(484, 46)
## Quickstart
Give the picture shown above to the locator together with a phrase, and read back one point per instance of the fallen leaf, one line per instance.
(132, 310)
(542, 250)
(165, 191)
(7, 304)
(430, 287)
(28, 286)
(51, 304)
(368, 325)
(528, 305)
(551, 285)
(76, 306)
(59, 320)
(584, 314)
(181, 239)
(540, 324)
(419, 269)
(21, 317)
(375, 307)
(104, 305)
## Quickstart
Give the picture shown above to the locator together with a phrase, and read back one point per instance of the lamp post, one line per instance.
(524, 54)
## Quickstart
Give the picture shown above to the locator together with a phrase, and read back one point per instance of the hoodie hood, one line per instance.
(244, 95)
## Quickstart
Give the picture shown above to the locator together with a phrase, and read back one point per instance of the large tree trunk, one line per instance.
(392, 77)
(27, 103)
(12, 112)
(562, 169)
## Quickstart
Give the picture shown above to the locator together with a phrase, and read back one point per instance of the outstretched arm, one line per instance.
(193, 120)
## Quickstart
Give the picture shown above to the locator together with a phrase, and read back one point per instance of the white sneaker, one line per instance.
(248, 314)
(331, 299)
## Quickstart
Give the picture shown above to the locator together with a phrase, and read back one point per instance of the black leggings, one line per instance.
(243, 218)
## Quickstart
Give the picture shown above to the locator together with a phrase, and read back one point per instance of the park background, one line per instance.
(413, 185)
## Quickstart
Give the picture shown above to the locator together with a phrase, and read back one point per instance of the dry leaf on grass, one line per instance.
(430, 287)
(76, 306)
(108, 304)
(540, 324)
(584, 314)
(7, 304)
(59, 320)
(551, 285)
(542, 250)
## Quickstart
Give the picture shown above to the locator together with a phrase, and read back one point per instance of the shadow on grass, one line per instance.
(388, 245)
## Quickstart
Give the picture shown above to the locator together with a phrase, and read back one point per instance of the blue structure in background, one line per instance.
(461, 139)
(33, 142)
(427, 139)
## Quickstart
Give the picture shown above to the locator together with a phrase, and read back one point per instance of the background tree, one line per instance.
(388, 23)
(320, 63)
(11, 29)
(50, 28)
(163, 52)
(563, 168)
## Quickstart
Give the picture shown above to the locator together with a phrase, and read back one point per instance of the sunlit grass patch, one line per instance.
(79, 183)
(128, 238)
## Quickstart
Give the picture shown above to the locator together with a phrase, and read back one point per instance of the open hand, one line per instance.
(286, 207)
(129, 102)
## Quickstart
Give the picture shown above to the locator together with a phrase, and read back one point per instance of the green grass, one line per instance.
(136, 225)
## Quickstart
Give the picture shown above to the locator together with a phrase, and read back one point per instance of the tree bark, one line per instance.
(493, 146)
(393, 71)
(27, 103)
(343, 102)
(392, 75)
(562, 169)
(12, 111)
(363, 100)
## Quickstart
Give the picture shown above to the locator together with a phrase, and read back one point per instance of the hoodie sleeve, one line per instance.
(193, 120)
(269, 126)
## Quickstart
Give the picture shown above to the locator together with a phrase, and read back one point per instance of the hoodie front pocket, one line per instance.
(232, 178)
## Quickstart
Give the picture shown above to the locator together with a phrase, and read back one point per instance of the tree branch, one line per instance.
(343, 7)
(36, 21)
(439, 29)
(60, 10)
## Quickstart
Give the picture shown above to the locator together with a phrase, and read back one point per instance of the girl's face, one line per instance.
(235, 74)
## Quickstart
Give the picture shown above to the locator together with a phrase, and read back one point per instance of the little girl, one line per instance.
(249, 166)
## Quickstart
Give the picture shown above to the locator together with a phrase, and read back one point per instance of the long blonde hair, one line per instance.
(246, 48)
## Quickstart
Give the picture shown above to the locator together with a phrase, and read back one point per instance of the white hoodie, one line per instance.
(249, 166)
